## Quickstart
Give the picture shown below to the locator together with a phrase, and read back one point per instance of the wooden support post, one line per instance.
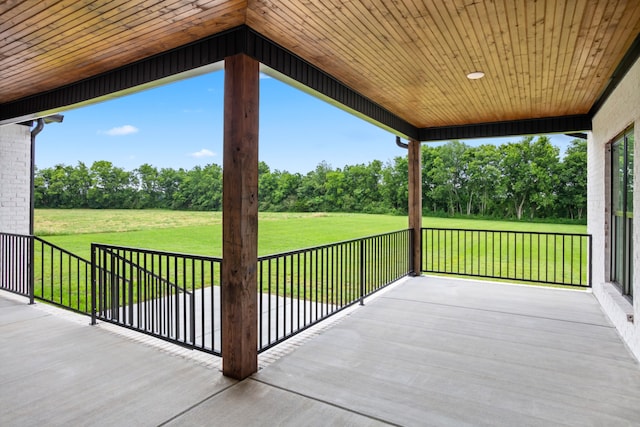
(415, 204)
(240, 218)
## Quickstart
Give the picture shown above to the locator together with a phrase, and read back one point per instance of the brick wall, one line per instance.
(15, 159)
(621, 110)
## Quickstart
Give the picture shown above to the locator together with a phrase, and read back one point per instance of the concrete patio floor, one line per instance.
(426, 351)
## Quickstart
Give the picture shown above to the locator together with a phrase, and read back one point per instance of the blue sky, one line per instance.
(179, 125)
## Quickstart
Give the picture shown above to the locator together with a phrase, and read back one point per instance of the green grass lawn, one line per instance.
(201, 232)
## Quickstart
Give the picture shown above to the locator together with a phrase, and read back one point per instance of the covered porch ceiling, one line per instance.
(402, 64)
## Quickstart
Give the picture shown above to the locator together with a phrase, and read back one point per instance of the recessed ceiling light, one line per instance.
(475, 75)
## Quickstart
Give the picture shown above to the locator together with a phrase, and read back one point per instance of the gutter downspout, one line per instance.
(400, 143)
(34, 133)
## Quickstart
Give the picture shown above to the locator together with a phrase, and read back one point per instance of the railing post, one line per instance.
(363, 275)
(410, 249)
(114, 287)
(93, 284)
(32, 268)
(192, 324)
(590, 260)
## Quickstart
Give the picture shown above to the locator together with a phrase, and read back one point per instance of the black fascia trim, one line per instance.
(289, 64)
(629, 58)
(562, 124)
(577, 135)
(185, 58)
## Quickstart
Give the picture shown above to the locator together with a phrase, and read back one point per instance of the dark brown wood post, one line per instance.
(415, 203)
(240, 218)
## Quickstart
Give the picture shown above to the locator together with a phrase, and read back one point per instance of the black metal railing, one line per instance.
(60, 277)
(55, 275)
(14, 263)
(167, 295)
(176, 297)
(552, 258)
(298, 289)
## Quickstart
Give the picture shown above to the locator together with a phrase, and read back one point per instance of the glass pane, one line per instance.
(629, 169)
(617, 177)
(629, 229)
(618, 248)
(622, 182)
(629, 258)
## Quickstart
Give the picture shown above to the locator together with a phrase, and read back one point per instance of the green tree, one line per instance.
(79, 185)
(112, 187)
(432, 197)
(572, 189)
(41, 183)
(149, 195)
(313, 189)
(529, 168)
(447, 177)
(62, 186)
(515, 179)
(395, 185)
(278, 191)
(362, 185)
(267, 184)
(286, 195)
(486, 186)
(169, 181)
(336, 197)
(201, 189)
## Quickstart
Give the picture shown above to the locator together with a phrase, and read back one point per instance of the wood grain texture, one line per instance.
(415, 203)
(70, 40)
(239, 297)
(542, 58)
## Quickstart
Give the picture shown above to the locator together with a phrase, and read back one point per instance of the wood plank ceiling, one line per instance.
(541, 58)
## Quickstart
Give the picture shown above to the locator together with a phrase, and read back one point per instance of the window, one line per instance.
(622, 211)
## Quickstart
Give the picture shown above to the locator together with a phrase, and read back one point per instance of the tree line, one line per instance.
(524, 179)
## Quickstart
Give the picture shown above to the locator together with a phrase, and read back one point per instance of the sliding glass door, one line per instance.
(622, 212)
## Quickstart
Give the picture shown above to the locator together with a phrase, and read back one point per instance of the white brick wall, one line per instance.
(621, 110)
(15, 159)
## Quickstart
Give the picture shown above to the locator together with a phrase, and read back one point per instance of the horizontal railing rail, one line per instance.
(168, 295)
(536, 257)
(297, 289)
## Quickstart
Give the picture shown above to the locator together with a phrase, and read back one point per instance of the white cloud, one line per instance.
(122, 130)
(203, 153)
